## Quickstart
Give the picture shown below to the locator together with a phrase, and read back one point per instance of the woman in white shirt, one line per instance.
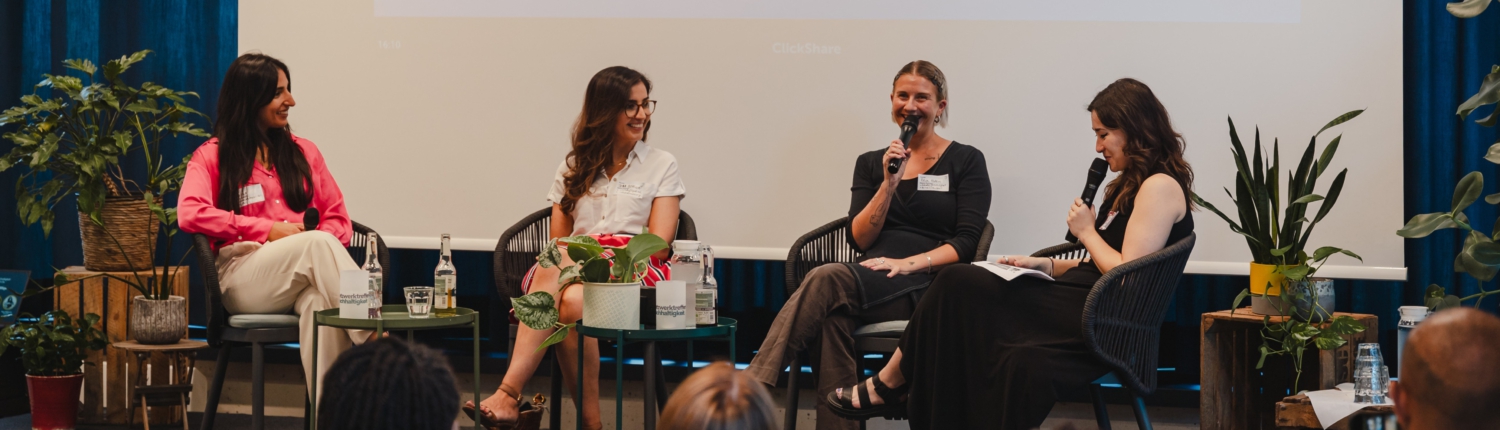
(612, 185)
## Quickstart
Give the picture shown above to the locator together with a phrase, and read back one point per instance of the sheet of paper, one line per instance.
(1009, 272)
(1333, 405)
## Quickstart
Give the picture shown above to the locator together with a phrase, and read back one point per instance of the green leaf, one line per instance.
(578, 254)
(1265, 351)
(1296, 273)
(1308, 199)
(595, 270)
(568, 275)
(1327, 340)
(1239, 299)
(536, 310)
(1327, 157)
(1282, 251)
(1344, 325)
(549, 257)
(1466, 263)
(642, 246)
(556, 337)
(1468, 8)
(1340, 120)
(1467, 191)
(1489, 91)
(1422, 225)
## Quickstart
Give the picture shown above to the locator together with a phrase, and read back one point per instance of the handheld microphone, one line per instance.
(908, 128)
(1090, 189)
(310, 219)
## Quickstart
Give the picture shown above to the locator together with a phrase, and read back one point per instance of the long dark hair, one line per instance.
(249, 85)
(389, 384)
(1152, 146)
(594, 133)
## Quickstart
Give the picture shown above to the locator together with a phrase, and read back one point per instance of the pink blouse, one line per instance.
(196, 212)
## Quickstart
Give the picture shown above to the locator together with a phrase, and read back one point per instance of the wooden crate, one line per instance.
(107, 376)
(1296, 412)
(1235, 395)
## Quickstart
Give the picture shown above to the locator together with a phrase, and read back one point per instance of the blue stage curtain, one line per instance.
(193, 43)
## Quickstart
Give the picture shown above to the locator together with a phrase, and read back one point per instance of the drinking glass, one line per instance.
(418, 302)
(1368, 387)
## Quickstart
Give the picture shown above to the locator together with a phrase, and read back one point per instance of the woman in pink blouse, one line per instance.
(611, 186)
(246, 189)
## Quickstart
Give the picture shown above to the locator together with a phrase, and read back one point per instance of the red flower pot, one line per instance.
(54, 401)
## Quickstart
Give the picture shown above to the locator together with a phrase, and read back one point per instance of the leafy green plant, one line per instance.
(1480, 255)
(593, 263)
(73, 142)
(55, 344)
(1275, 237)
(1292, 338)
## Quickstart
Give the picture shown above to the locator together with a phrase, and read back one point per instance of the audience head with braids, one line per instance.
(389, 384)
(719, 398)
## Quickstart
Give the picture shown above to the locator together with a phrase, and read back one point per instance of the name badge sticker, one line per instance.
(634, 190)
(251, 194)
(937, 183)
(1109, 220)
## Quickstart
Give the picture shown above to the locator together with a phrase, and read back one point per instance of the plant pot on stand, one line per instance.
(1265, 290)
(612, 305)
(1310, 300)
(158, 322)
(126, 246)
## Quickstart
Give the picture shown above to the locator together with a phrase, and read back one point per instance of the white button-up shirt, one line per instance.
(622, 204)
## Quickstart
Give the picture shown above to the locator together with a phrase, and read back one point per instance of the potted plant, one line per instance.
(53, 349)
(1278, 239)
(73, 143)
(611, 278)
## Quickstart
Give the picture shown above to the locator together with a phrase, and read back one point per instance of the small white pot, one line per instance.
(612, 306)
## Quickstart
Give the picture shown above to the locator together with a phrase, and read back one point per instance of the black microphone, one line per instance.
(310, 219)
(1096, 175)
(908, 128)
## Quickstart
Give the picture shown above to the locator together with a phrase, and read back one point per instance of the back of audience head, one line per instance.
(389, 384)
(1450, 373)
(719, 398)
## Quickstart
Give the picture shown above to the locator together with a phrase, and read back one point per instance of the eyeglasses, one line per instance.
(631, 108)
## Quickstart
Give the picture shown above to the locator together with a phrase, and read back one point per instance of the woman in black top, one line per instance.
(928, 214)
(981, 352)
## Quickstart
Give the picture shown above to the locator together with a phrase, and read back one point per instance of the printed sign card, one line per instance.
(354, 294)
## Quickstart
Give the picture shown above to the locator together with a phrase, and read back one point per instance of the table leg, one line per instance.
(619, 379)
(476, 372)
(578, 395)
(312, 416)
(731, 344)
(649, 400)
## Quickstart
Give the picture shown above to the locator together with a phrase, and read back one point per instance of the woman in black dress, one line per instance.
(981, 352)
(929, 213)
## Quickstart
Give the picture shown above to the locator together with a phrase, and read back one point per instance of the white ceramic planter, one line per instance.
(612, 306)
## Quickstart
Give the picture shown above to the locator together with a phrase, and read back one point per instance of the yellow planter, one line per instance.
(1264, 280)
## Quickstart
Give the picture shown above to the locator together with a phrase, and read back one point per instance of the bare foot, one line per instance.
(499, 407)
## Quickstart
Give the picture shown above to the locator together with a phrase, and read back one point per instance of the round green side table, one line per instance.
(394, 317)
(723, 331)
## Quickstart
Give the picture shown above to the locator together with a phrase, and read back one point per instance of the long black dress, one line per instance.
(981, 352)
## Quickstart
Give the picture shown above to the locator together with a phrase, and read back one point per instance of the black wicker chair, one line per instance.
(516, 252)
(1123, 316)
(830, 244)
(227, 331)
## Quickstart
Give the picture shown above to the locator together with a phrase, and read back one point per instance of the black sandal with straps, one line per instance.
(893, 408)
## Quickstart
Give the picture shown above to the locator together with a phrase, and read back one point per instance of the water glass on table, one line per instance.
(1371, 377)
(418, 302)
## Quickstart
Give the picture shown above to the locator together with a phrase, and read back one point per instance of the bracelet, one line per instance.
(929, 262)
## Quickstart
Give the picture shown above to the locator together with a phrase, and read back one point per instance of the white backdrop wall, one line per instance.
(450, 116)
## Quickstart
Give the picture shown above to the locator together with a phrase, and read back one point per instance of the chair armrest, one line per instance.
(1123, 315)
(517, 249)
(982, 252)
(828, 243)
(1065, 251)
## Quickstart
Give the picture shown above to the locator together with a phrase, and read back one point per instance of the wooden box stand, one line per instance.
(1235, 395)
(106, 379)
